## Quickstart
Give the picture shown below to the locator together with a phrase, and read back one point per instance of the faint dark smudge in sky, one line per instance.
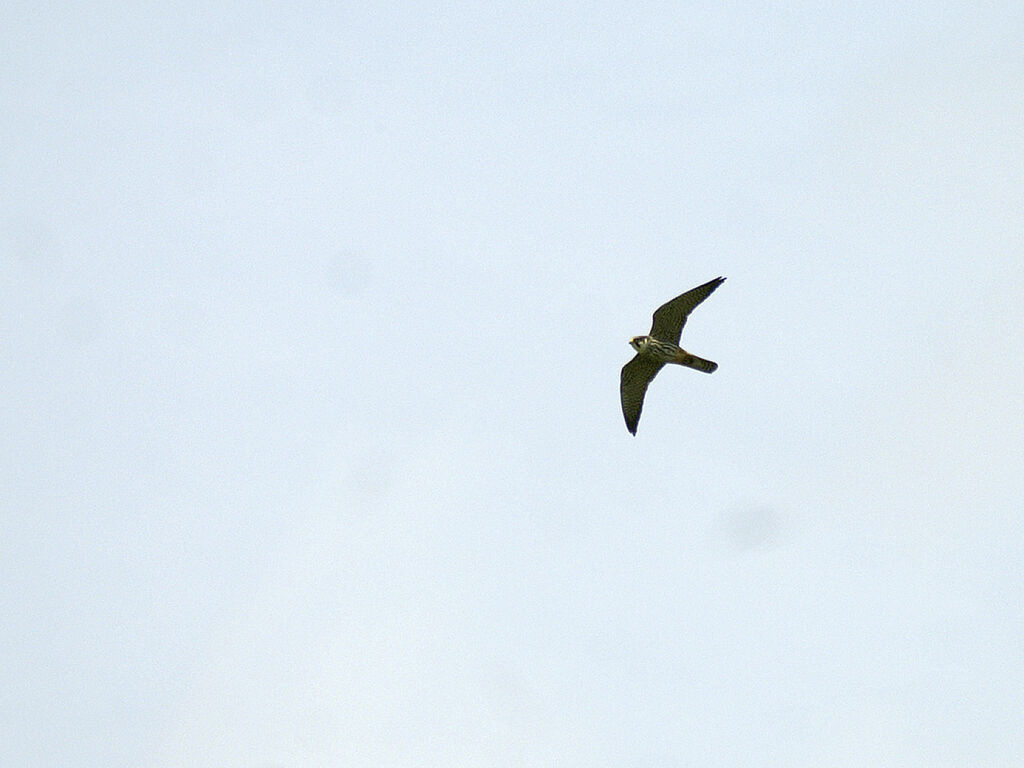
(753, 528)
(32, 240)
(80, 322)
(348, 273)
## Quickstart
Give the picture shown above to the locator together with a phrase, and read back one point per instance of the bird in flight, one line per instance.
(661, 346)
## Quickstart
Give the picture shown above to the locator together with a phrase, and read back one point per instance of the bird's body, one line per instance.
(659, 347)
(666, 352)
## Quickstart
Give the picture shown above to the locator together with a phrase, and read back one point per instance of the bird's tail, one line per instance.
(698, 363)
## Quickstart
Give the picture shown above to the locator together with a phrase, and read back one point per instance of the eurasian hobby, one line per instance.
(661, 346)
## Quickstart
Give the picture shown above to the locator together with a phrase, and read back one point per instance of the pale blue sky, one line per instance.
(312, 322)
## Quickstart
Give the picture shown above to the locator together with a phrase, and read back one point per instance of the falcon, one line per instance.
(661, 346)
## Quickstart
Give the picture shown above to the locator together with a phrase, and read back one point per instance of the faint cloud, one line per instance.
(753, 527)
(348, 273)
(373, 471)
(32, 241)
(80, 322)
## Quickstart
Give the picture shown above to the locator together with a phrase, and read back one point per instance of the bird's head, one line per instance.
(638, 343)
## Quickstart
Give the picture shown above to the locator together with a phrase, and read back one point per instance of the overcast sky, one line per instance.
(312, 320)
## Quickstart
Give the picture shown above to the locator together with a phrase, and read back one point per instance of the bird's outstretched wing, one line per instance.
(670, 317)
(636, 375)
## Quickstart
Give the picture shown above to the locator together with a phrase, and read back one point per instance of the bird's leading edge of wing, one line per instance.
(670, 317)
